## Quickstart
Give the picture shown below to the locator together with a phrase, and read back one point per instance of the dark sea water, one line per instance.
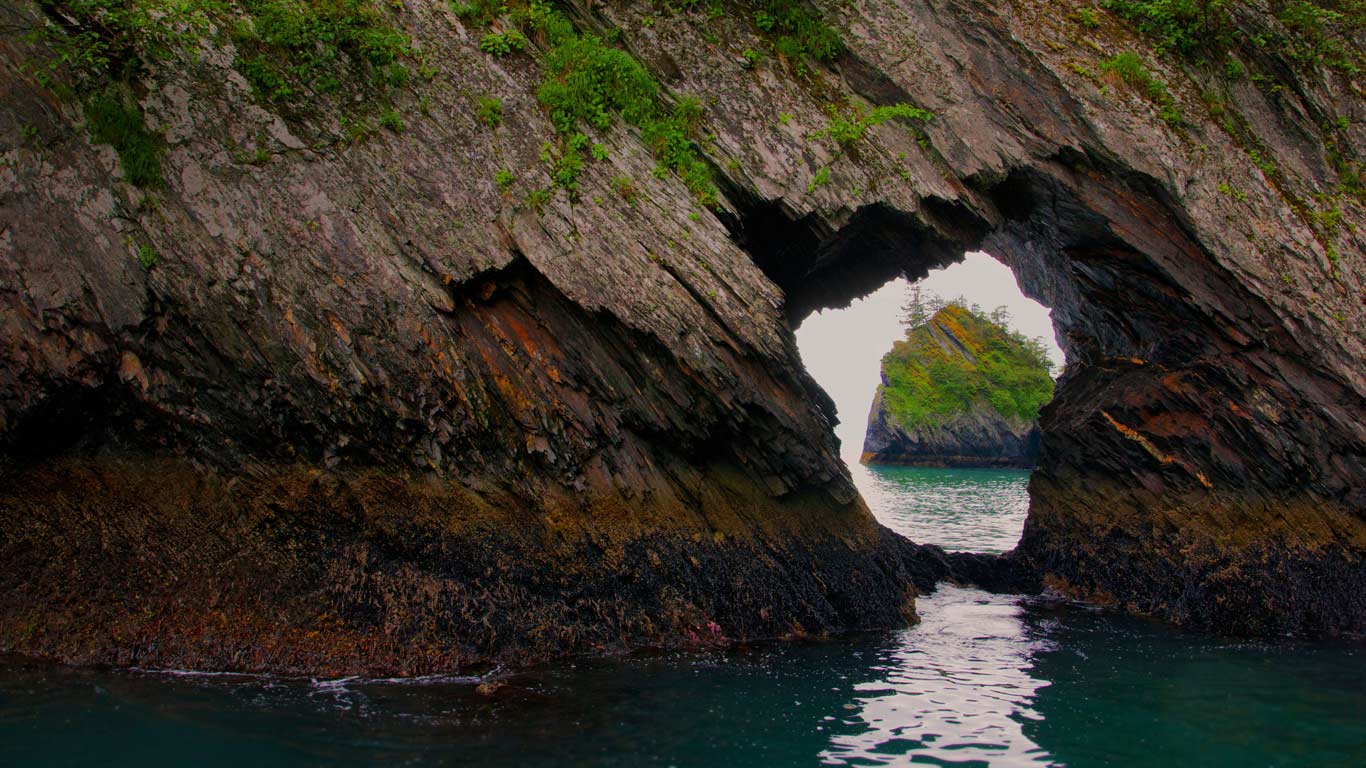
(983, 680)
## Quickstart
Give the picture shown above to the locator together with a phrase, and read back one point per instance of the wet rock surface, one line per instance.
(370, 412)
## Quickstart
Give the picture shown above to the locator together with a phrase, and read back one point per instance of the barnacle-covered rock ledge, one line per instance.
(409, 337)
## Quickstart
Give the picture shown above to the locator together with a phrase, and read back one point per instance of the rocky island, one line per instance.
(961, 390)
(396, 337)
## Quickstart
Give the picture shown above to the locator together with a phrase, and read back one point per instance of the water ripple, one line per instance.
(980, 510)
(954, 689)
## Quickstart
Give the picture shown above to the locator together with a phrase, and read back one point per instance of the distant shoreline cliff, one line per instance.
(961, 390)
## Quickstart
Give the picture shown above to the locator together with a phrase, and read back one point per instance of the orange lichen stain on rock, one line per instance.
(300, 338)
(131, 371)
(1165, 459)
(1238, 410)
(513, 395)
(1174, 382)
(1178, 424)
(535, 344)
(1133, 434)
(340, 330)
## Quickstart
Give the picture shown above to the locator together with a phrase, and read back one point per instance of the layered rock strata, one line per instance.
(359, 409)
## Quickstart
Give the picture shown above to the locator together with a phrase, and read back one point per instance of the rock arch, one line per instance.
(368, 411)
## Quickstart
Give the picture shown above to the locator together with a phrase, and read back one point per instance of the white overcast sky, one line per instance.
(843, 348)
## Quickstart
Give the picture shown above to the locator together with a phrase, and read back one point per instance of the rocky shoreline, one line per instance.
(365, 384)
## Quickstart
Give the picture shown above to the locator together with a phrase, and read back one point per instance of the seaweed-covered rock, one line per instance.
(397, 359)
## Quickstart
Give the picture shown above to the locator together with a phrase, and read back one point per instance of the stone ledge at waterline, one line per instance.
(431, 360)
(961, 390)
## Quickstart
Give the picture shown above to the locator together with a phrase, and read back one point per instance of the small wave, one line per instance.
(431, 680)
(327, 684)
(199, 673)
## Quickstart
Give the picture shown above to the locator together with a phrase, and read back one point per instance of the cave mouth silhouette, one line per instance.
(1201, 458)
(842, 348)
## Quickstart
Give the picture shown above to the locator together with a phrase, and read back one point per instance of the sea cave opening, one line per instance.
(975, 498)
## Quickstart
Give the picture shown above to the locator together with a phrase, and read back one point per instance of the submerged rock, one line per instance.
(958, 391)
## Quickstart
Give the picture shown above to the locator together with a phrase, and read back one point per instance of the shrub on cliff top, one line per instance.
(1181, 25)
(284, 45)
(927, 383)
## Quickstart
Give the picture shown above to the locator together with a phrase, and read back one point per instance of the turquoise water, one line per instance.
(983, 680)
(976, 510)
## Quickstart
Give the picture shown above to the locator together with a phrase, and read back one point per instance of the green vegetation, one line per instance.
(288, 45)
(848, 126)
(589, 82)
(536, 199)
(1308, 33)
(1129, 68)
(489, 111)
(625, 187)
(796, 31)
(285, 49)
(356, 130)
(929, 379)
(392, 120)
(821, 178)
(502, 44)
(1181, 25)
(1237, 194)
(147, 256)
(567, 164)
(1087, 17)
(115, 118)
(104, 40)
(504, 179)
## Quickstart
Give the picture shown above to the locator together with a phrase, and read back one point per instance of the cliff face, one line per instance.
(958, 391)
(978, 437)
(341, 397)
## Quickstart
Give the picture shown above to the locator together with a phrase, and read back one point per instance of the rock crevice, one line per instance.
(410, 416)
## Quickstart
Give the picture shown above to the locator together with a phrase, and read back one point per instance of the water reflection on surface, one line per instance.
(982, 680)
(957, 687)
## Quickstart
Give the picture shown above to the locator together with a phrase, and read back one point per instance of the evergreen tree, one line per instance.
(915, 312)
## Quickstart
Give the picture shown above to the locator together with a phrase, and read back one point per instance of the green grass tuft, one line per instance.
(489, 111)
(796, 32)
(115, 119)
(847, 127)
(1129, 68)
